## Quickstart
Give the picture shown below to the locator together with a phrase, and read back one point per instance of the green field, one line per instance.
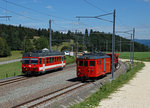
(14, 55)
(11, 69)
(142, 56)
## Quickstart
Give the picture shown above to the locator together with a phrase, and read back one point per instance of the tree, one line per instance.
(28, 47)
(41, 43)
(4, 48)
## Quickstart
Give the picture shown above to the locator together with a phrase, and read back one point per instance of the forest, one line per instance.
(29, 39)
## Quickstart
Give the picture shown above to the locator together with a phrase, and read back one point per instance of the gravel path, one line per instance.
(135, 94)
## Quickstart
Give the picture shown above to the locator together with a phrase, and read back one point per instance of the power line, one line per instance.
(91, 4)
(33, 10)
(20, 14)
(95, 6)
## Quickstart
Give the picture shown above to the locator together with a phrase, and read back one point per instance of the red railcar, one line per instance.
(93, 65)
(116, 58)
(41, 62)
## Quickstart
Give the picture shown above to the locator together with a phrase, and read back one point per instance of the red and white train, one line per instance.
(41, 62)
(93, 65)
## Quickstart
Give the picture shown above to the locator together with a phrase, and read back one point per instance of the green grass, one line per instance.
(142, 56)
(14, 55)
(10, 69)
(109, 88)
(70, 59)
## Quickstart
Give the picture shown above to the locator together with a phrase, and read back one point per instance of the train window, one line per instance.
(50, 59)
(85, 63)
(62, 58)
(92, 63)
(47, 60)
(34, 60)
(43, 60)
(40, 61)
(25, 61)
(55, 59)
(80, 63)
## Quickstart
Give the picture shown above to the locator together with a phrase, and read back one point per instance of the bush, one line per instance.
(4, 48)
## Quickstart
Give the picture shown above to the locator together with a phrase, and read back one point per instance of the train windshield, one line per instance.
(80, 63)
(34, 60)
(92, 63)
(25, 61)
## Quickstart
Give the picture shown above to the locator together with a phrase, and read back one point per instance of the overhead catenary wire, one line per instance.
(20, 14)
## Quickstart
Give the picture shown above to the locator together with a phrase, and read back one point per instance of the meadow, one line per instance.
(142, 56)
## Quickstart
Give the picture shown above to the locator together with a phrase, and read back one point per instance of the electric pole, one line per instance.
(106, 45)
(113, 44)
(5, 17)
(50, 36)
(120, 47)
(133, 47)
(131, 50)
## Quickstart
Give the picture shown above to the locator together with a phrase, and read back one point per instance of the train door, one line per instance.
(104, 66)
(62, 62)
(43, 64)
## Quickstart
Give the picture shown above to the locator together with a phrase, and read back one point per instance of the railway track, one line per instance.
(21, 78)
(41, 101)
(10, 81)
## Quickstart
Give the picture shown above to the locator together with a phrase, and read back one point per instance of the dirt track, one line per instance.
(135, 94)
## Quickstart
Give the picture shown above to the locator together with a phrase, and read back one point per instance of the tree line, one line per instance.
(29, 39)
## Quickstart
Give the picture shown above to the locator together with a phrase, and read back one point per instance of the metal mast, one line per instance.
(50, 36)
(113, 44)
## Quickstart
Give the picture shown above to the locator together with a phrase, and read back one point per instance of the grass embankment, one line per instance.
(109, 88)
(11, 69)
(142, 56)
(14, 55)
(70, 59)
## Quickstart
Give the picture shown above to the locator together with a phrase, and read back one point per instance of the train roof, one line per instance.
(93, 56)
(42, 54)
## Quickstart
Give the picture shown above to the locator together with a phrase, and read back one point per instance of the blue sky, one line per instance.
(36, 14)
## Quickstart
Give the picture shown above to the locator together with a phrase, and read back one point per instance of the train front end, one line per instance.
(30, 65)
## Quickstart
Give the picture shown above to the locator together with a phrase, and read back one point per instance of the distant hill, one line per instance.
(143, 41)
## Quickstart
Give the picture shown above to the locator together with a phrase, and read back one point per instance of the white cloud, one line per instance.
(49, 7)
(147, 0)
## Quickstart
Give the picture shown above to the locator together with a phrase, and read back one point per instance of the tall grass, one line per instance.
(142, 56)
(109, 88)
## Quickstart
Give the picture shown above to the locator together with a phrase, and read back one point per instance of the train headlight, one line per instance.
(79, 70)
(35, 67)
